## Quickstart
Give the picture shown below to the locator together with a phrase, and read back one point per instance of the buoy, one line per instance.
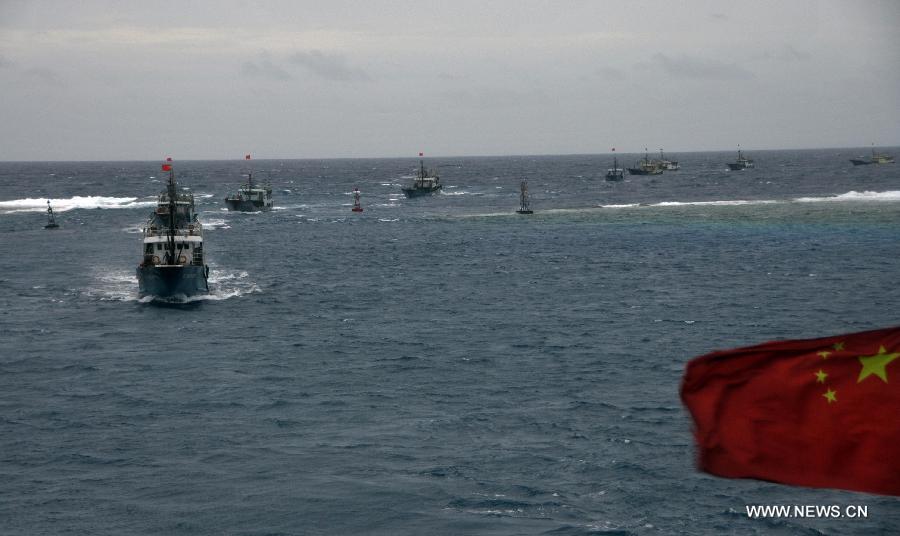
(356, 205)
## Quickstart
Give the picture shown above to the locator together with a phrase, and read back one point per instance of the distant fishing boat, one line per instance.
(646, 166)
(741, 163)
(356, 206)
(615, 173)
(668, 165)
(524, 203)
(251, 197)
(875, 159)
(426, 182)
(51, 221)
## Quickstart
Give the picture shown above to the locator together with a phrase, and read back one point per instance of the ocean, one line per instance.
(431, 366)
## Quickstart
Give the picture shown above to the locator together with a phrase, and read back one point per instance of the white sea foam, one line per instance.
(122, 285)
(890, 195)
(735, 202)
(215, 224)
(63, 205)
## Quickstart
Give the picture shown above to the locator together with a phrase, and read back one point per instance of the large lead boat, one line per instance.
(173, 264)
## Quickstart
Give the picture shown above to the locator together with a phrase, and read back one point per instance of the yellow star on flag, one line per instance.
(830, 396)
(838, 347)
(820, 376)
(875, 364)
(824, 354)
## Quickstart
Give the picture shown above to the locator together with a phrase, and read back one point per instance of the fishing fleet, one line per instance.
(173, 262)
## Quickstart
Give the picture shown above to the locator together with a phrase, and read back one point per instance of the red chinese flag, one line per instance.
(166, 167)
(822, 413)
(247, 157)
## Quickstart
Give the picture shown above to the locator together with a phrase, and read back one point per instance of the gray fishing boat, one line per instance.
(875, 159)
(251, 197)
(173, 263)
(615, 173)
(426, 182)
(741, 163)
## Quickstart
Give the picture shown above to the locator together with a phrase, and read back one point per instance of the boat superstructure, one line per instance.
(251, 197)
(668, 165)
(741, 163)
(524, 202)
(173, 260)
(426, 182)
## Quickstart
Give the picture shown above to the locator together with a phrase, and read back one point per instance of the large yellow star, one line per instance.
(830, 396)
(820, 376)
(875, 364)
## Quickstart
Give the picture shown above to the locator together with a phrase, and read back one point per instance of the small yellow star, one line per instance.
(824, 354)
(838, 347)
(875, 364)
(820, 376)
(830, 396)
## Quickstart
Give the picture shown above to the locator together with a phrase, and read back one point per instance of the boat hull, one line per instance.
(169, 281)
(639, 171)
(419, 192)
(739, 167)
(244, 205)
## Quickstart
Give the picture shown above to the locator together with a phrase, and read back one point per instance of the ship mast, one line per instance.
(170, 252)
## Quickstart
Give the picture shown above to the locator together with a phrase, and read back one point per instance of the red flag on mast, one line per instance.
(167, 167)
(247, 157)
(168, 159)
(819, 412)
(421, 153)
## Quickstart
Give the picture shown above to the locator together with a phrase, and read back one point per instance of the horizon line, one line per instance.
(511, 155)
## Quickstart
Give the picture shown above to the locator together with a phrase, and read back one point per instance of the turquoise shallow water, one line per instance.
(432, 366)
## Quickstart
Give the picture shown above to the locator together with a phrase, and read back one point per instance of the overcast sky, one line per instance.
(92, 80)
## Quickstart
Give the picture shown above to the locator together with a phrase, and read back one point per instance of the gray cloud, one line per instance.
(45, 76)
(786, 53)
(329, 66)
(687, 67)
(264, 68)
(718, 16)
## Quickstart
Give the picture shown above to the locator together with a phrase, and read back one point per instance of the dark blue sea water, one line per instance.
(431, 366)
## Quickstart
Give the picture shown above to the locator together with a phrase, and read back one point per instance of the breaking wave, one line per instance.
(72, 203)
(891, 195)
